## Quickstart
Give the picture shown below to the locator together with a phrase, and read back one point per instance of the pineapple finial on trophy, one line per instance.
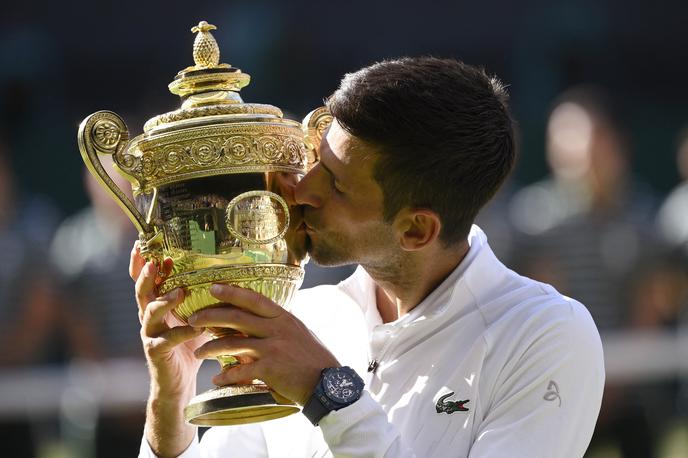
(206, 52)
(208, 82)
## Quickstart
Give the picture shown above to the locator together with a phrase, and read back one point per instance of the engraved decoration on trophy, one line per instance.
(209, 182)
(315, 124)
(258, 217)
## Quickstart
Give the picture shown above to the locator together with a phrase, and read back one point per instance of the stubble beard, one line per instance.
(373, 249)
(330, 250)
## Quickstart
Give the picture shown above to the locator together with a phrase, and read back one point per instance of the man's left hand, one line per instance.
(283, 352)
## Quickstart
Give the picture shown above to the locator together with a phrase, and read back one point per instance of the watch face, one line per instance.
(341, 386)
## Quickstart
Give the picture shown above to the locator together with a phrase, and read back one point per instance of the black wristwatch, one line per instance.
(337, 388)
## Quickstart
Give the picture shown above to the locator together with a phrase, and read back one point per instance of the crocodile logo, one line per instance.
(449, 407)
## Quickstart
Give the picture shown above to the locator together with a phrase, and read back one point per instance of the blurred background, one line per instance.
(598, 204)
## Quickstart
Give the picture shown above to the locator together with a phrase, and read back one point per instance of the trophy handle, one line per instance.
(104, 132)
(314, 126)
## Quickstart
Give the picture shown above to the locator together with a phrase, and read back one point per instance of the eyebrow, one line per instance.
(328, 169)
(335, 177)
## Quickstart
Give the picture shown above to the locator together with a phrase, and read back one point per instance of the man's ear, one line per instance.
(417, 228)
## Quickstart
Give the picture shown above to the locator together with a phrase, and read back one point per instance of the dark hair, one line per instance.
(442, 131)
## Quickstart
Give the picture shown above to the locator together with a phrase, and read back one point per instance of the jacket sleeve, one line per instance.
(245, 441)
(193, 451)
(546, 403)
(362, 430)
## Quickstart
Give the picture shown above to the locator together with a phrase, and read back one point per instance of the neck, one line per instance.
(403, 284)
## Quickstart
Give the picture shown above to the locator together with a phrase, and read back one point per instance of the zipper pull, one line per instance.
(372, 367)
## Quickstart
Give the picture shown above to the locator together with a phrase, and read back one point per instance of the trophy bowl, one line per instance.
(211, 182)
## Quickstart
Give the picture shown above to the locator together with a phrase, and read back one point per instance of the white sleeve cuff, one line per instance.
(192, 451)
(361, 429)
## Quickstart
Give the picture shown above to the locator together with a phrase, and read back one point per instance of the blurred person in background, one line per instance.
(672, 219)
(658, 301)
(588, 156)
(592, 217)
(595, 241)
(659, 292)
(90, 250)
(35, 328)
(666, 288)
(30, 310)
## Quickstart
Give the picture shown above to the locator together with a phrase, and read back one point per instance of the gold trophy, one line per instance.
(209, 181)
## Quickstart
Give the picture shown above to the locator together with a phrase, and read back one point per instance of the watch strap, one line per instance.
(317, 406)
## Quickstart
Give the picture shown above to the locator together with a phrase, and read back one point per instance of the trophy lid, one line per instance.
(213, 132)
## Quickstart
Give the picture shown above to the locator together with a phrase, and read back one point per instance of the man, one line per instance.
(467, 357)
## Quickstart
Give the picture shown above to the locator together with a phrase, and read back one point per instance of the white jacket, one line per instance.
(490, 364)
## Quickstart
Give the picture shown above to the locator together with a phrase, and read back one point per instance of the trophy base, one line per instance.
(236, 405)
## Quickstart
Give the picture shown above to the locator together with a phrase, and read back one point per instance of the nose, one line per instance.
(313, 189)
(285, 184)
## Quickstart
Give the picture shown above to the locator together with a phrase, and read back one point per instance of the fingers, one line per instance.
(238, 374)
(235, 318)
(166, 270)
(247, 347)
(145, 286)
(153, 316)
(246, 299)
(170, 339)
(136, 261)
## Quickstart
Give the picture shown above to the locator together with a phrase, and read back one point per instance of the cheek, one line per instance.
(347, 212)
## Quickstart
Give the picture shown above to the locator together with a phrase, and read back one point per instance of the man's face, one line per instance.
(342, 204)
